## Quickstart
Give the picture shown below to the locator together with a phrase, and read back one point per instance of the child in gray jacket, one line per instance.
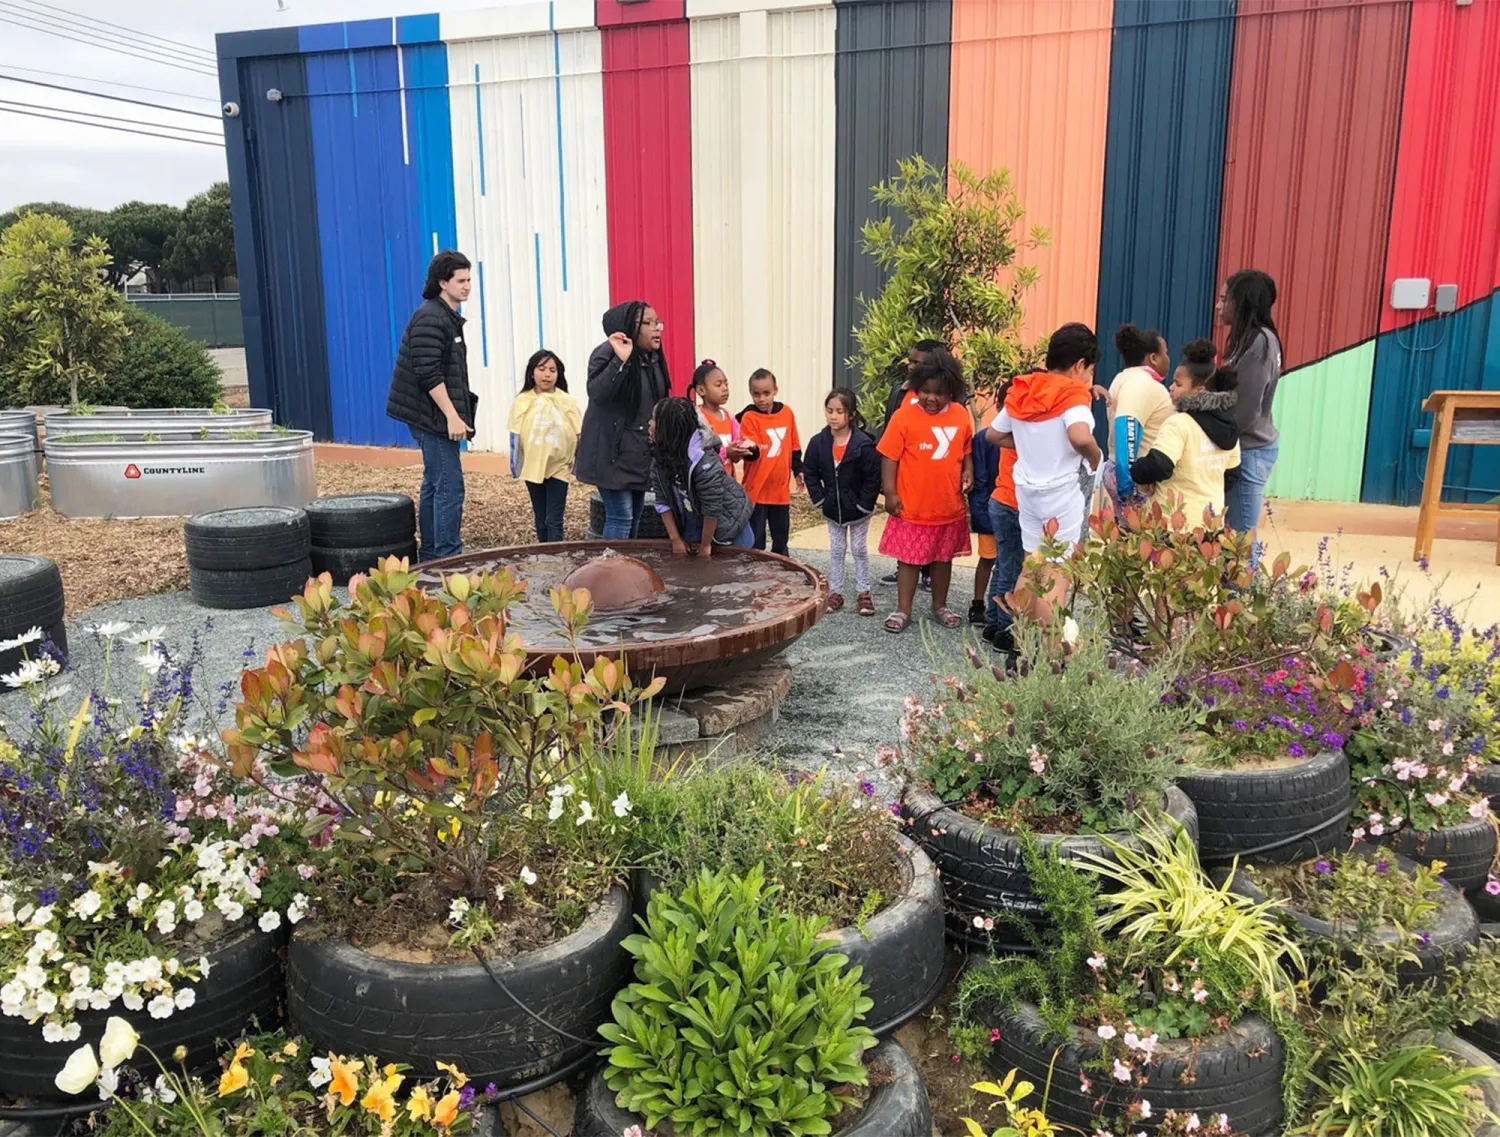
(698, 500)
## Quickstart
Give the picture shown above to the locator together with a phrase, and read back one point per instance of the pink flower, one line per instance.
(1377, 829)
(1096, 962)
(1121, 1071)
(1437, 801)
(633, 1131)
(1359, 833)
(1105, 1031)
(1038, 760)
(1131, 1039)
(306, 871)
(1479, 808)
(1492, 886)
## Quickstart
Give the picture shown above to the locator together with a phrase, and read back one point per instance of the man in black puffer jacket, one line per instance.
(430, 393)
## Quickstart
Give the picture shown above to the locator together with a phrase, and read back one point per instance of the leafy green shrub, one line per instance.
(160, 367)
(1366, 893)
(736, 1023)
(1418, 1091)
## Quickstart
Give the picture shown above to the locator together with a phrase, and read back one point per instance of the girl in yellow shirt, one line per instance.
(544, 425)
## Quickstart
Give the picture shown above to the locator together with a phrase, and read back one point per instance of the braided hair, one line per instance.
(676, 423)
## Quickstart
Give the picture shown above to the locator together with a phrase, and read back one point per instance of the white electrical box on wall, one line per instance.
(1446, 300)
(1411, 293)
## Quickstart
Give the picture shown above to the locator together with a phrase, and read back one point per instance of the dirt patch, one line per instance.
(948, 1077)
(238, 397)
(554, 1106)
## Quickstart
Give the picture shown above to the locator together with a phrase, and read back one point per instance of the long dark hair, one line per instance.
(851, 405)
(1248, 295)
(676, 423)
(440, 270)
(537, 359)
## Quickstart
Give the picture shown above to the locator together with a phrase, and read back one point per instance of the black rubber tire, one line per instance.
(1484, 1034)
(351, 1002)
(57, 634)
(245, 982)
(1486, 781)
(249, 588)
(896, 1108)
(1387, 645)
(1485, 906)
(1467, 850)
(341, 564)
(1237, 1072)
(1242, 810)
(362, 520)
(652, 526)
(31, 594)
(253, 537)
(1453, 936)
(983, 873)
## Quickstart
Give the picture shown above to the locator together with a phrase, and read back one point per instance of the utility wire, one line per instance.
(118, 129)
(107, 34)
(118, 48)
(111, 98)
(110, 83)
(187, 47)
(110, 118)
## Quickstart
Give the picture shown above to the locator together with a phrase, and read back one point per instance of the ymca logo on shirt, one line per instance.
(945, 436)
(777, 435)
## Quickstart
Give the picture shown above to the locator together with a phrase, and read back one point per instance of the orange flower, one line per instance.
(235, 1079)
(345, 1082)
(379, 1101)
(447, 1110)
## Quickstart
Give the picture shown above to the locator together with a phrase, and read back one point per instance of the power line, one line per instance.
(118, 129)
(111, 98)
(100, 37)
(109, 83)
(118, 48)
(122, 28)
(112, 33)
(112, 118)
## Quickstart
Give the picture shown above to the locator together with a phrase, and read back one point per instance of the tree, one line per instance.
(203, 244)
(138, 233)
(61, 327)
(948, 277)
(84, 222)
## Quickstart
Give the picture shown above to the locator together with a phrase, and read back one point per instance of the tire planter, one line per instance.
(982, 869)
(31, 596)
(1471, 1054)
(351, 1002)
(1237, 1072)
(341, 564)
(652, 527)
(248, 588)
(1466, 850)
(362, 520)
(1487, 782)
(1386, 645)
(1271, 816)
(245, 982)
(232, 540)
(1454, 933)
(899, 1108)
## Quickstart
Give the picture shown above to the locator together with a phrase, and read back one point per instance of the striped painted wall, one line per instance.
(714, 157)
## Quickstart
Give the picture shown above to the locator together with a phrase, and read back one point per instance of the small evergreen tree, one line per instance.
(952, 277)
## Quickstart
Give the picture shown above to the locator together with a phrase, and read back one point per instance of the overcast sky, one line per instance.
(46, 160)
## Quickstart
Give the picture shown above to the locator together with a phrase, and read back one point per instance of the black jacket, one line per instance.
(432, 351)
(845, 493)
(713, 493)
(614, 446)
(1214, 412)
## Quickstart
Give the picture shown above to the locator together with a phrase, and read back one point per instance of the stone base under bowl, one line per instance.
(720, 724)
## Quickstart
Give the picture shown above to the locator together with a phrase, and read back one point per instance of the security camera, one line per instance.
(231, 110)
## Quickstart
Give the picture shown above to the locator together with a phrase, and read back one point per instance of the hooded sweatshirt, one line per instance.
(1039, 408)
(1195, 452)
(614, 447)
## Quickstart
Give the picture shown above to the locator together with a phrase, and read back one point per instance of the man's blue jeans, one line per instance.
(1009, 556)
(440, 506)
(622, 513)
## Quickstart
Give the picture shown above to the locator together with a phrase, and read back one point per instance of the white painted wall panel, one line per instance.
(517, 19)
(763, 199)
(528, 155)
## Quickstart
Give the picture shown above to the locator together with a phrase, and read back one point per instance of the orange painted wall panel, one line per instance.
(1030, 93)
(1314, 111)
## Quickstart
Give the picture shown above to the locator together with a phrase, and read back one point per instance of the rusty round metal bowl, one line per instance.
(691, 661)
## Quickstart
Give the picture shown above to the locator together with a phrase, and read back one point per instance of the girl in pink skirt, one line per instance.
(927, 469)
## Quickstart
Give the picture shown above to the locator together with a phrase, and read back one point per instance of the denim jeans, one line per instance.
(779, 517)
(548, 501)
(440, 506)
(622, 513)
(692, 531)
(1006, 522)
(1244, 500)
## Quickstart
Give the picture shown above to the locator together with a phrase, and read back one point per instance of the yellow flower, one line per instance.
(379, 1101)
(243, 1051)
(345, 1082)
(275, 1078)
(235, 1079)
(446, 1110)
(390, 1069)
(290, 1049)
(459, 1079)
(419, 1105)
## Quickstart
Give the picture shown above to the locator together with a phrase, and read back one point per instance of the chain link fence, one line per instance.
(211, 318)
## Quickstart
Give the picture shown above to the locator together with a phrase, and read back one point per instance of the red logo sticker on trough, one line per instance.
(132, 471)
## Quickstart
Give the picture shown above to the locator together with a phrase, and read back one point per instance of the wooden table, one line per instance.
(1467, 418)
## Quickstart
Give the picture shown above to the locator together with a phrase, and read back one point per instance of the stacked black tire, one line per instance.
(352, 533)
(652, 527)
(31, 596)
(251, 557)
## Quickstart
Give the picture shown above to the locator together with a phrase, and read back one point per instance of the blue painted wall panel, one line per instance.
(417, 29)
(1461, 351)
(274, 203)
(349, 34)
(431, 128)
(1163, 169)
(377, 217)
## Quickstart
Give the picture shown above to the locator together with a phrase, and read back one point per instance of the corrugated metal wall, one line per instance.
(1168, 102)
(1321, 411)
(1443, 227)
(763, 196)
(892, 99)
(528, 154)
(1030, 93)
(648, 161)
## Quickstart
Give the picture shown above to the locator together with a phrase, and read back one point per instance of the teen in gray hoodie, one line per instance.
(1254, 353)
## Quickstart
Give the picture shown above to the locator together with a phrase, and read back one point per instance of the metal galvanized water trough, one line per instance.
(177, 473)
(18, 474)
(103, 420)
(20, 422)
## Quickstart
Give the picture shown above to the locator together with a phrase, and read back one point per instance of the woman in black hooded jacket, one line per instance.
(627, 377)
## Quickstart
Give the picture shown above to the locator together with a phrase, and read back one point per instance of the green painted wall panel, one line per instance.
(1322, 412)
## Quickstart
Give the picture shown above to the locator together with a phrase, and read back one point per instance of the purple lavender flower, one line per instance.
(1297, 750)
(491, 1090)
(896, 808)
(1332, 739)
(1323, 867)
(1382, 866)
(1239, 724)
(1424, 938)
(466, 1097)
(867, 788)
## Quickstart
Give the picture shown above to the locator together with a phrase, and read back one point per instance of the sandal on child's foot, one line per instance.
(896, 622)
(866, 604)
(835, 601)
(946, 618)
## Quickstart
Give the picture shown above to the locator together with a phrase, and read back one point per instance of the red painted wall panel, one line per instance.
(648, 162)
(1310, 156)
(1445, 221)
(614, 14)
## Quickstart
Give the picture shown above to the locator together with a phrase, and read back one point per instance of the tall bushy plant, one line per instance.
(953, 275)
(160, 367)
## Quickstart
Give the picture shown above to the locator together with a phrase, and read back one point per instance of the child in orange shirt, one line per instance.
(711, 386)
(770, 427)
(927, 469)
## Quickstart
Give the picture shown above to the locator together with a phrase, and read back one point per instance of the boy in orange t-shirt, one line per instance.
(1005, 523)
(771, 427)
(927, 468)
